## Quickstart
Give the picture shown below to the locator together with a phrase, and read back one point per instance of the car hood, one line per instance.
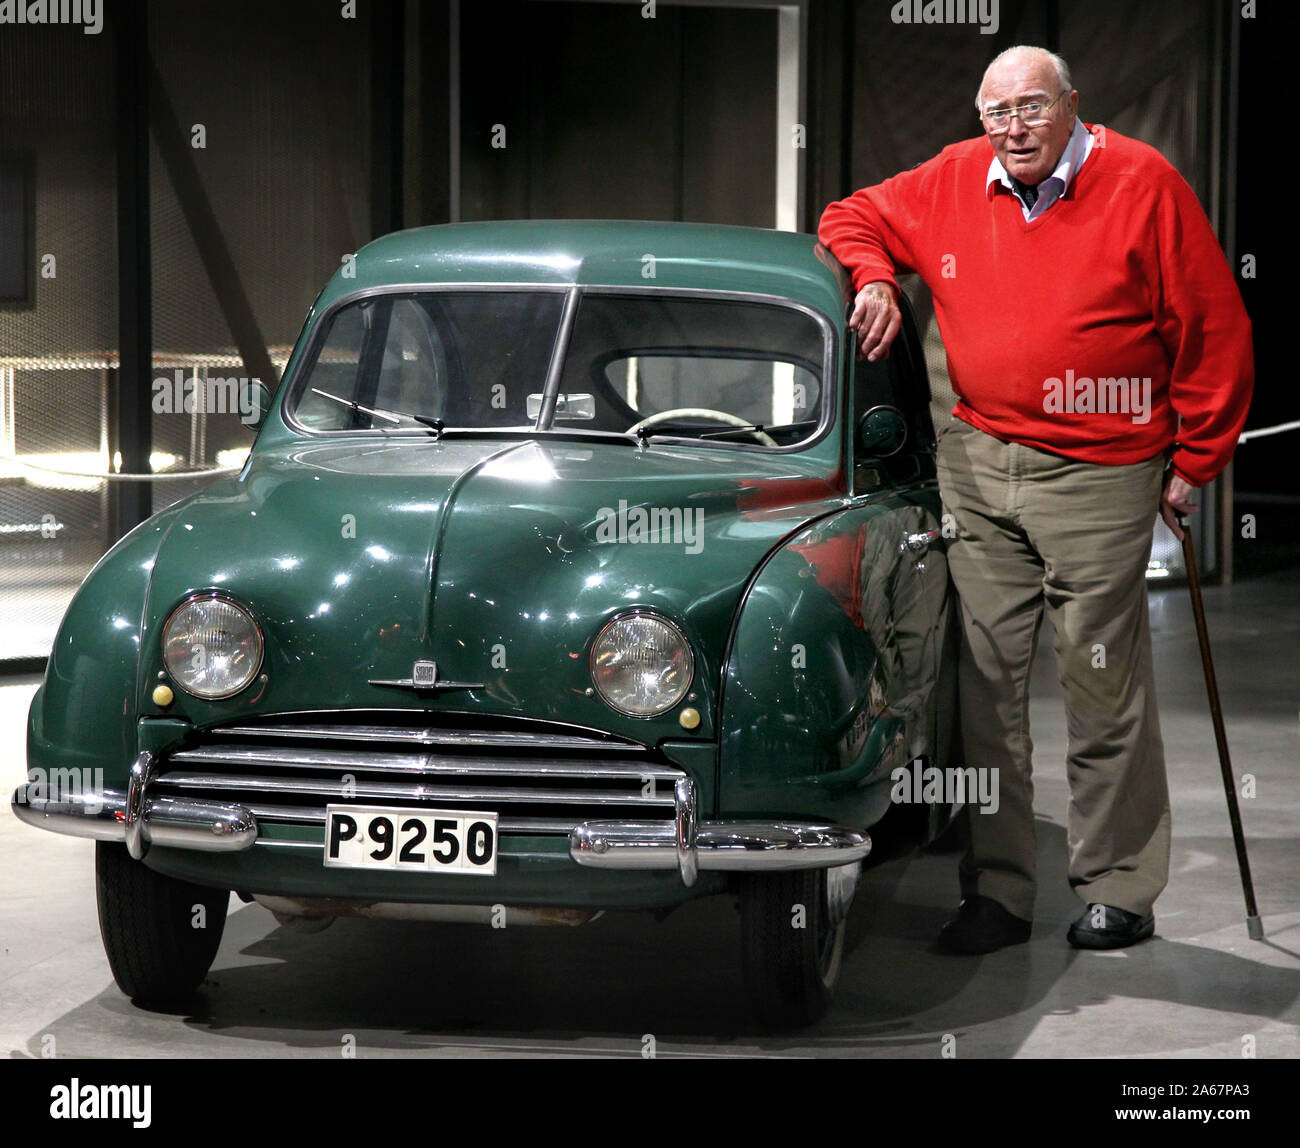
(497, 560)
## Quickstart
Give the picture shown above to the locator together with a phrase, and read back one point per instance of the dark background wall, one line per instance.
(1265, 471)
(610, 115)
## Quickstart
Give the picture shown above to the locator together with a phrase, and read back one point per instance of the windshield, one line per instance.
(721, 371)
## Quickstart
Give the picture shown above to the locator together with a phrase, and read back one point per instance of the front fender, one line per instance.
(829, 682)
(83, 716)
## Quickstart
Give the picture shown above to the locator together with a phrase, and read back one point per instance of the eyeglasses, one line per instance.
(1032, 115)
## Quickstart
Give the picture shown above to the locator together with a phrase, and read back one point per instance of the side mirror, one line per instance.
(882, 431)
(254, 402)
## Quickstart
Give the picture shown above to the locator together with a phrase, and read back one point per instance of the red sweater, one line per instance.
(1053, 327)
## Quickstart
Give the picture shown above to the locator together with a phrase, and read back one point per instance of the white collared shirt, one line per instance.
(1055, 185)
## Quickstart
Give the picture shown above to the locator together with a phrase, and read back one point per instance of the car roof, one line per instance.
(685, 256)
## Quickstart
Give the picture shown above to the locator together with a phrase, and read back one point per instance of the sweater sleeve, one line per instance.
(1203, 324)
(874, 231)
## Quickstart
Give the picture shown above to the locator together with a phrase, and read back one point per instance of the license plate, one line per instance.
(427, 841)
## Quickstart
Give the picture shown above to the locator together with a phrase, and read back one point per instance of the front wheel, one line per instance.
(792, 926)
(160, 934)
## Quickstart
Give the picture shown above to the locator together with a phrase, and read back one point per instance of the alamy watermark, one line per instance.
(67, 787)
(233, 395)
(1104, 396)
(955, 785)
(88, 13)
(981, 12)
(77, 1101)
(673, 525)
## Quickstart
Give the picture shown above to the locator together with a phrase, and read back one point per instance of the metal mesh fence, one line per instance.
(267, 192)
(56, 92)
(280, 154)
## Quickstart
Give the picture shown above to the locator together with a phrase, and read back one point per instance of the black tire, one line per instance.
(790, 972)
(147, 923)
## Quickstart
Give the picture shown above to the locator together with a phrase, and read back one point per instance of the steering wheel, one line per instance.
(702, 413)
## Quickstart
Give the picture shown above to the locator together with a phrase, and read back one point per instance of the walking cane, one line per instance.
(1254, 927)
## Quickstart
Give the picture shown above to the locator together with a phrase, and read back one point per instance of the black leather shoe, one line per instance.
(1106, 927)
(981, 925)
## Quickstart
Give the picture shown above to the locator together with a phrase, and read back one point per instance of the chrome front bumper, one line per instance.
(684, 844)
(201, 825)
(136, 818)
(689, 846)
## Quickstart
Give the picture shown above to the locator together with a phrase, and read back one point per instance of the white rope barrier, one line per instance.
(1261, 432)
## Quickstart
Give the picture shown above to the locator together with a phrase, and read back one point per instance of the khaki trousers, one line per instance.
(1035, 532)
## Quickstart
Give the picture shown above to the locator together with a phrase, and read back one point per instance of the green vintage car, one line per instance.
(576, 567)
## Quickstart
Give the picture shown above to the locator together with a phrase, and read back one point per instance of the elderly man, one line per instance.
(1101, 356)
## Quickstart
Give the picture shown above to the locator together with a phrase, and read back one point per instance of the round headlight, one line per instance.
(642, 665)
(212, 647)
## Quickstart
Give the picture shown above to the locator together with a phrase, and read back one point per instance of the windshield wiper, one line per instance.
(434, 424)
(683, 429)
(657, 430)
(749, 428)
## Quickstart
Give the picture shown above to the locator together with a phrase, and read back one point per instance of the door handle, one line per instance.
(919, 541)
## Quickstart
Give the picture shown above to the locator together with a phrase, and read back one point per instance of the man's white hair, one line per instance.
(1028, 51)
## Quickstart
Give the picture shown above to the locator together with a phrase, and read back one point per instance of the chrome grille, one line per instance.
(539, 779)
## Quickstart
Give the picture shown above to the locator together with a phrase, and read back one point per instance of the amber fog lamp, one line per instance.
(642, 665)
(212, 647)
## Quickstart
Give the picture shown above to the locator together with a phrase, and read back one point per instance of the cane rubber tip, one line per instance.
(1255, 927)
